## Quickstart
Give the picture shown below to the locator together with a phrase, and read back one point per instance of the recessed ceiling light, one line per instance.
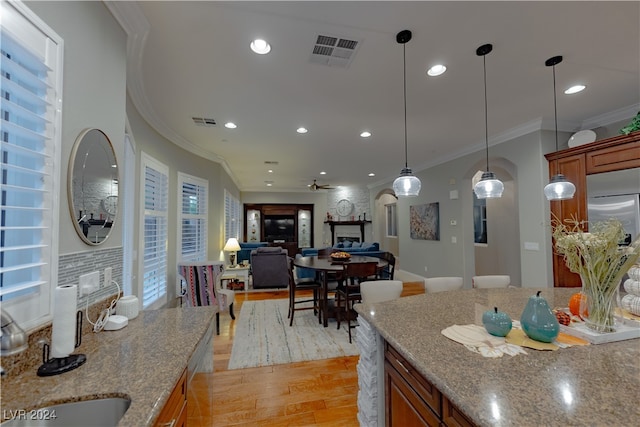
(575, 89)
(270, 171)
(230, 125)
(260, 46)
(302, 130)
(323, 173)
(436, 70)
(365, 134)
(372, 174)
(269, 185)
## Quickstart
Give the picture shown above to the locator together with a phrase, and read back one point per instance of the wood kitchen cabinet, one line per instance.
(411, 400)
(174, 413)
(607, 155)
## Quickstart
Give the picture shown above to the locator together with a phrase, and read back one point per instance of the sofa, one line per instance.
(244, 254)
(270, 267)
(354, 248)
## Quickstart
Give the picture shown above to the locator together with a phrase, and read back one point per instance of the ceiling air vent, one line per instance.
(201, 121)
(270, 162)
(334, 51)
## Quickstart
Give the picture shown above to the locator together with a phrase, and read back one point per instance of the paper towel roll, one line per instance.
(63, 333)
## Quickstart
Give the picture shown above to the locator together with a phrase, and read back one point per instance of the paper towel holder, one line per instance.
(60, 365)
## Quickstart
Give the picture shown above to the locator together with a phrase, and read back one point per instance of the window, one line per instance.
(232, 218)
(479, 220)
(479, 214)
(193, 194)
(155, 177)
(31, 69)
(392, 220)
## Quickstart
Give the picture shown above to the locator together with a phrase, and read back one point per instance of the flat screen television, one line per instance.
(279, 228)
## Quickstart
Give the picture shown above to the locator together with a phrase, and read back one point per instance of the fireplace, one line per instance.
(341, 239)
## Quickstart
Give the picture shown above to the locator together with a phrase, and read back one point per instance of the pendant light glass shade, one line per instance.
(489, 186)
(406, 184)
(558, 188)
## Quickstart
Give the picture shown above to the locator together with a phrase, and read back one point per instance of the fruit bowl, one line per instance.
(340, 256)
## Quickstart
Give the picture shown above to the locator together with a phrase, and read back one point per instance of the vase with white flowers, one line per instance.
(601, 262)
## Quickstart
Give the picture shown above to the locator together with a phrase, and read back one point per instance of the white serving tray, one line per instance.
(580, 330)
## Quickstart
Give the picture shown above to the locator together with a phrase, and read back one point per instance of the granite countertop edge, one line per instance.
(142, 362)
(510, 378)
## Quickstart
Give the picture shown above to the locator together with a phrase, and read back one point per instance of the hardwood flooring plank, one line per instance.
(320, 393)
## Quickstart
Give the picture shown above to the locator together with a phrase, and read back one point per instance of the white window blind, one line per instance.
(31, 81)
(193, 194)
(232, 217)
(155, 177)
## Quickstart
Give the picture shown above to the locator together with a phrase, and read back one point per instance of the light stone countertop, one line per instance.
(595, 385)
(142, 361)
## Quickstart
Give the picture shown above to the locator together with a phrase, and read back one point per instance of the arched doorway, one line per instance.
(385, 226)
(495, 226)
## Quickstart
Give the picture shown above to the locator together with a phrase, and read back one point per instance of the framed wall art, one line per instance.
(424, 221)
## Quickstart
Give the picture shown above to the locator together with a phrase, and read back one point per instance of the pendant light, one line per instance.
(406, 184)
(558, 187)
(489, 186)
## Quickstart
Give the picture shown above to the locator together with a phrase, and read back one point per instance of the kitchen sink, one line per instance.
(87, 413)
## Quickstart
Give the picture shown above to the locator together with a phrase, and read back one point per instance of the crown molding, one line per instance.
(614, 116)
(132, 20)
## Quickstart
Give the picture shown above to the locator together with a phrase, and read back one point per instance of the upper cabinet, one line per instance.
(607, 155)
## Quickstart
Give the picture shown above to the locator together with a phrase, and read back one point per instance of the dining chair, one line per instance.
(201, 279)
(387, 272)
(331, 276)
(491, 281)
(373, 291)
(349, 292)
(440, 284)
(299, 285)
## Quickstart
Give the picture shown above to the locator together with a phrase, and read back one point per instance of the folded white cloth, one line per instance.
(475, 338)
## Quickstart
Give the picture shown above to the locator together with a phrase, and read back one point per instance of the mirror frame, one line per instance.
(81, 223)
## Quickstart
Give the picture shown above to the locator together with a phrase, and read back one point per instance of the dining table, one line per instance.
(324, 265)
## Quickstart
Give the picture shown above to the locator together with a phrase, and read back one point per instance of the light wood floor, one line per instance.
(314, 393)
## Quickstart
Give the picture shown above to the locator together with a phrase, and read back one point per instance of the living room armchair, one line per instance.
(270, 267)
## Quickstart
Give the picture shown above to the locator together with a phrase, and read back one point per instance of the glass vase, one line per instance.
(599, 304)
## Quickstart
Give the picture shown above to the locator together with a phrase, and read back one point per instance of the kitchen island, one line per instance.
(595, 385)
(142, 362)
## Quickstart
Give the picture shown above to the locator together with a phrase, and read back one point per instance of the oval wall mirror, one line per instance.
(93, 186)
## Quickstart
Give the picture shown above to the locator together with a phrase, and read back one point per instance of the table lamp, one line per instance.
(232, 246)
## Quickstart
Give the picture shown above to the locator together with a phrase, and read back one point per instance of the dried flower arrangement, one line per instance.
(599, 260)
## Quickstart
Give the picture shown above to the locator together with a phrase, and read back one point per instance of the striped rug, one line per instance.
(263, 336)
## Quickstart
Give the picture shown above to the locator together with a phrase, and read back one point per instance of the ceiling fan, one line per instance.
(315, 186)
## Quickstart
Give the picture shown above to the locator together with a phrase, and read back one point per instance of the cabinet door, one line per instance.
(573, 168)
(404, 408)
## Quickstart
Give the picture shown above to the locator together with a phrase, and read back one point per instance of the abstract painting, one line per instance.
(424, 221)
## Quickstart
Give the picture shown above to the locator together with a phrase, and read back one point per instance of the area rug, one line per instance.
(263, 336)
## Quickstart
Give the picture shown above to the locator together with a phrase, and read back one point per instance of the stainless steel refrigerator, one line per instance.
(625, 208)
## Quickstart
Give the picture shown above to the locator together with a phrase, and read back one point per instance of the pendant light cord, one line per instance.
(404, 91)
(555, 106)
(486, 120)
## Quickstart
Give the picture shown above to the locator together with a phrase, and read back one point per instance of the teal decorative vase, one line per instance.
(496, 322)
(538, 321)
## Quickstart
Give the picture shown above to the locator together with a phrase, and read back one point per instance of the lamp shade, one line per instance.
(406, 184)
(559, 188)
(232, 245)
(488, 187)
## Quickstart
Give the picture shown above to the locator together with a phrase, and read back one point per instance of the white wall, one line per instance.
(94, 91)
(444, 258)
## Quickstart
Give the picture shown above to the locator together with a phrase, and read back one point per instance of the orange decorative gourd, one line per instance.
(575, 302)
